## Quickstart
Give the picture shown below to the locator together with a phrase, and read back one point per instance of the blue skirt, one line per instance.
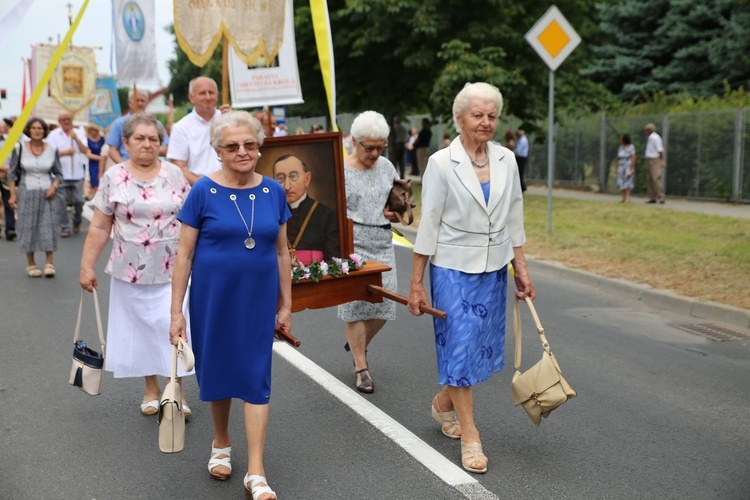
(471, 341)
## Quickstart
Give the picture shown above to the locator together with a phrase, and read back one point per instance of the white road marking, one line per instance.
(443, 468)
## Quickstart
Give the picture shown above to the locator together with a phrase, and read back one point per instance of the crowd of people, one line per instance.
(202, 241)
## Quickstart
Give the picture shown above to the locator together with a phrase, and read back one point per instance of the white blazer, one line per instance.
(458, 229)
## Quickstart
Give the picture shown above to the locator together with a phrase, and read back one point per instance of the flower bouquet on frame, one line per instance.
(317, 270)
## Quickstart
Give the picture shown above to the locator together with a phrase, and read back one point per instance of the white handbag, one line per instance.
(88, 365)
(171, 417)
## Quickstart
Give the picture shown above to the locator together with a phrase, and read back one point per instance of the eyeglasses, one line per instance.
(293, 177)
(372, 149)
(233, 147)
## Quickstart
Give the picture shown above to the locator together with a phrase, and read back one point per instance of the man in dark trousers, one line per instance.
(422, 145)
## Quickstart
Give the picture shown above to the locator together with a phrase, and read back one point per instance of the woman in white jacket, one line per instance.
(471, 227)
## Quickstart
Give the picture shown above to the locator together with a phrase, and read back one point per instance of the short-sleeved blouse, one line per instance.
(146, 229)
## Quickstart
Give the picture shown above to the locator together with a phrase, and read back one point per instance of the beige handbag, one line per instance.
(542, 388)
(88, 365)
(171, 418)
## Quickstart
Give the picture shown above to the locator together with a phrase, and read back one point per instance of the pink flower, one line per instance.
(167, 263)
(356, 259)
(324, 268)
(173, 228)
(133, 275)
(147, 193)
(345, 267)
(123, 177)
(157, 215)
(118, 251)
(147, 241)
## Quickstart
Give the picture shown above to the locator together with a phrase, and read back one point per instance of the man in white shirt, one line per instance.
(71, 145)
(190, 144)
(655, 162)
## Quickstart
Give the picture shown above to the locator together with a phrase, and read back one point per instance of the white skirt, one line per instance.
(138, 331)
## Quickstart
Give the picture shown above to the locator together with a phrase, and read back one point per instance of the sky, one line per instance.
(49, 18)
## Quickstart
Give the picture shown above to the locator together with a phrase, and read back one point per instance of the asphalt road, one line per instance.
(661, 413)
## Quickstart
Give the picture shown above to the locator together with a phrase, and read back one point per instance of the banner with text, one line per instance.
(264, 84)
(253, 27)
(135, 42)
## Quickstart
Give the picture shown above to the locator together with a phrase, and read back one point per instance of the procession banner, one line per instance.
(264, 84)
(253, 27)
(15, 132)
(46, 107)
(74, 81)
(12, 20)
(135, 42)
(105, 107)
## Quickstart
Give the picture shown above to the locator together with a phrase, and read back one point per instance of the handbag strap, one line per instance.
(98, 320)
(517, 330)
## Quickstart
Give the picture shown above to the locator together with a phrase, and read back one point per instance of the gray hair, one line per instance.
(480, 91)
(650, 127)
(191, 85)
(143, 92)
(128, 128)
(236, 119)
(370, 125)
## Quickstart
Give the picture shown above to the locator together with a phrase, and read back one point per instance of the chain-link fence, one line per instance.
(707, 153)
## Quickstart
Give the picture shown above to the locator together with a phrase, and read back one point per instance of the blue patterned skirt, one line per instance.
(471, 341)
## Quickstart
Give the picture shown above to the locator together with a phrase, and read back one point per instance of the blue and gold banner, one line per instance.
(105, 107)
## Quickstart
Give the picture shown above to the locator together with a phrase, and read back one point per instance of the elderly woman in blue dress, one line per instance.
(233, 241)
(369, 178)
(471, 227)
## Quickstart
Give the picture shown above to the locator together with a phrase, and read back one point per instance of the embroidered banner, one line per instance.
(105, 107)
(253, 27)
(74, 81)
(135, 42)
(45, 106)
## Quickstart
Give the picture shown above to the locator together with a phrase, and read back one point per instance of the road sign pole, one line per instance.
(550, 149)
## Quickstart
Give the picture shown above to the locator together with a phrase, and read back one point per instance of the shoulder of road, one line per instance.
(705, 310)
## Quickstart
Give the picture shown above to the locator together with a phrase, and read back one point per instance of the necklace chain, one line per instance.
(476, 163)
(252, 215)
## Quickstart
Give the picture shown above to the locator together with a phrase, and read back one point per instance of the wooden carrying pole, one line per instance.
(403, 300)
(224, 70)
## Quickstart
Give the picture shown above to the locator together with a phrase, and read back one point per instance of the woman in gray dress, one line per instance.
(625, 167)
(369, 179)
(35, 174)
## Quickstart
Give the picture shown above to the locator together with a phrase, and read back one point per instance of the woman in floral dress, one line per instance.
(140, 199)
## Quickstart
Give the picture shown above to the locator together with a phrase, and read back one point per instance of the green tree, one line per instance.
(182, 71)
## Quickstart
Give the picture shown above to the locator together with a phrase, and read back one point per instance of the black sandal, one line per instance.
(366, 386)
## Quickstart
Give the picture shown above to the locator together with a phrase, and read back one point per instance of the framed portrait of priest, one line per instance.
(310, 168)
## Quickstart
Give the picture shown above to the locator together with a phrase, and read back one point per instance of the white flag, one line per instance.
(135, 42)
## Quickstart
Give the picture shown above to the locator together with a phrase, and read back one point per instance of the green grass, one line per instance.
(701, 256)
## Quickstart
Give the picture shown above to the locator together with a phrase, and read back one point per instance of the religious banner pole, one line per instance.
(224, 69)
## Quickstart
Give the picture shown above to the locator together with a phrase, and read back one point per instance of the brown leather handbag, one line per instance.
(401, 201)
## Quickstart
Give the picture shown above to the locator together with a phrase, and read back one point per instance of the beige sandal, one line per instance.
(472, 458)
(448, 421)
(49, 271)
(33, 271)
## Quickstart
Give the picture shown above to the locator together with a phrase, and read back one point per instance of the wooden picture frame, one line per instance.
(323, 155)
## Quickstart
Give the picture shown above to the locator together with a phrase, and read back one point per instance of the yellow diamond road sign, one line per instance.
(553, 38)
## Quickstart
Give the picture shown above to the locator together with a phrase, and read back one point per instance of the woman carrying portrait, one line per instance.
(138, 202)
(233, 246)
(35, 174)
(471, 227)
(625, 167)
(369, 178)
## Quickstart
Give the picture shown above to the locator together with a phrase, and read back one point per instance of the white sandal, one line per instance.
(154, 403)
(254, 491)
(216, 461)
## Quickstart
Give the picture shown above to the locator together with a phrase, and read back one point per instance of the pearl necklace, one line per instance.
(476, 163)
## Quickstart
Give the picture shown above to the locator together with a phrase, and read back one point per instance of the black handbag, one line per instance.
(88, 365)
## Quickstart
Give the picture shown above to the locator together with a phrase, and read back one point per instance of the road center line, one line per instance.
(443, 468)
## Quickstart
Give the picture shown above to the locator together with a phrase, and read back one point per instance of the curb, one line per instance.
(654, 297)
